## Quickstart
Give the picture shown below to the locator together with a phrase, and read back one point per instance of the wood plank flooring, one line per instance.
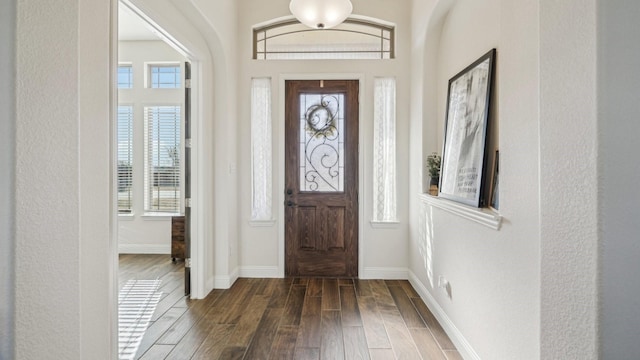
(291, 318)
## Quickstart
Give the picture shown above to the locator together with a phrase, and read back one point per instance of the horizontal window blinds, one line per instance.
(162, 159)
(125, 158)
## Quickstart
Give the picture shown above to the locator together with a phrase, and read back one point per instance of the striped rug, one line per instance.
(136, 303)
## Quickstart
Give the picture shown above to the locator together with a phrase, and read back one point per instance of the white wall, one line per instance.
(7, 153)
(568, 180)
(619, 175)
(384, 251)
(63, 283)
(493, 311)
(137, 233)
(218, 23)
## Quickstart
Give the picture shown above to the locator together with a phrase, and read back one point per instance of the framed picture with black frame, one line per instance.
(463, 175)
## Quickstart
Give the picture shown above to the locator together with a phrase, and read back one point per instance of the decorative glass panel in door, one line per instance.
(322, 142)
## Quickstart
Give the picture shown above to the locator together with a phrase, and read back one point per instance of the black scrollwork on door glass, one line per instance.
(322, 142)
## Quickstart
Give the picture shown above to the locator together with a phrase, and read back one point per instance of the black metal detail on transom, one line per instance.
(353, 39)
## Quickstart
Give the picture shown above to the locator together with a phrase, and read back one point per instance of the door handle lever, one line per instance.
(289, 203)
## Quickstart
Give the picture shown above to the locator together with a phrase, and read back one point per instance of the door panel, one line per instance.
(335, 227)
(321, 178)
(306, 233)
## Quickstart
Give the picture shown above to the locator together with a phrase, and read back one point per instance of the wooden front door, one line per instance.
(321, 178)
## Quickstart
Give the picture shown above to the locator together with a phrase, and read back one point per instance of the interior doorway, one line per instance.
(153, 130)
(154, 162)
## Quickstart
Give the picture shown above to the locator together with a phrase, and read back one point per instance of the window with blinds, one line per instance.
(125, 159)
(162, 159)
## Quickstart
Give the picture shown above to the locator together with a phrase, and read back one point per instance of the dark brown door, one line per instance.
(321, 178)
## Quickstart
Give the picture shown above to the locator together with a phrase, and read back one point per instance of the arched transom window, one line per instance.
(353, 39)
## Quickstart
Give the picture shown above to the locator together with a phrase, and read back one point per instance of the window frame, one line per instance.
(385, 151)
(379, 25)
(130, 67)
(131, 153)
(149, 74)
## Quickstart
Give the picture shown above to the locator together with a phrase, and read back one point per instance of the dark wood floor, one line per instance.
(292, 318)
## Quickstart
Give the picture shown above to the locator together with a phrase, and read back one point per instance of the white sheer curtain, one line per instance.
(261, 150)
(384, 150)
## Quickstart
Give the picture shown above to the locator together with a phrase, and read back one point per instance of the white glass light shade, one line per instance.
(321, 14)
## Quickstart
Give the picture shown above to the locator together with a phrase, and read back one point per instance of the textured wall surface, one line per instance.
(568, 172)
(62, 181)
(619, 174)
(7, 152)
(47, 197)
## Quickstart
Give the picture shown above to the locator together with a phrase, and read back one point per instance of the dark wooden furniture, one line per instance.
(177, 237)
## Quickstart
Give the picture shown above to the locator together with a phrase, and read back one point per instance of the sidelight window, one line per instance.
(384, 150)
(261, 153)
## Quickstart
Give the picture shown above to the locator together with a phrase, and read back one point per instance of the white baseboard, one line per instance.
(222, 282)
(463, 346)
(384, 273)
(211, 282)
(259, 272)
(144, 249)
(225, 281)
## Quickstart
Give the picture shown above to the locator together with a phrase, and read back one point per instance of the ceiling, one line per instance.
(133, 27)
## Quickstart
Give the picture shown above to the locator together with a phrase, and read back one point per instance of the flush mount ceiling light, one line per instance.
(321, 14)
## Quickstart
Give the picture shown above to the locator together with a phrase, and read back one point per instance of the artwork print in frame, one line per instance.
(463, 157)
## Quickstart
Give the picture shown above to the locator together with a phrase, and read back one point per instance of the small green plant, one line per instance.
(433, 165)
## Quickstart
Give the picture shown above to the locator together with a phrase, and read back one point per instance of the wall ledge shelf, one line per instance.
(483, 216)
